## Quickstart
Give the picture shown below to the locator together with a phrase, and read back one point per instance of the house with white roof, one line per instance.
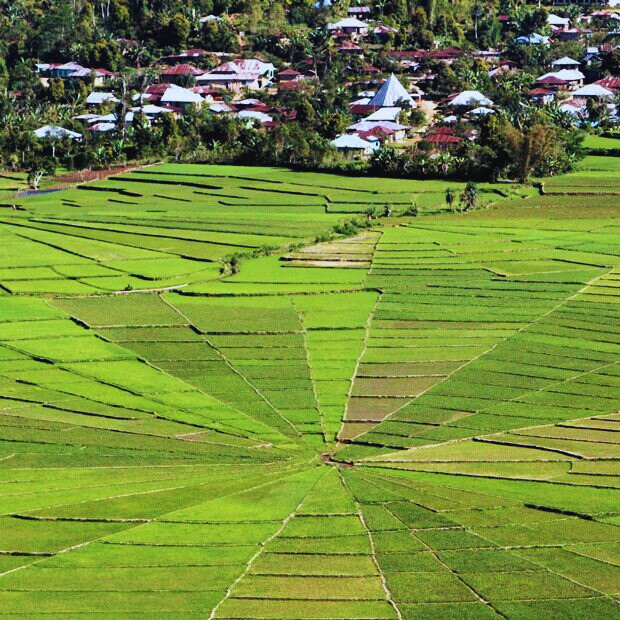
(241, 73)
(72, 70)
(533, 39)
(470, 98)
(565, 78)
(97, 98)
(392, 94)
(574, 108)
(354, 145)
(254, 115)
(112, 118)
(384, 114)
(102, 127)
(481, 111)
(54, 132)
(349, 25)
(265, 70)
(86, 118)
(151, 112)
(565, 63)
(181, 97)
(220, 108)
(594, 91)
(64, 70)
(555, 21)
(231, 81)
(210, 18)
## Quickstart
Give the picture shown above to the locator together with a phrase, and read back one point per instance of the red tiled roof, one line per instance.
(290, 85)
(539, 91)
(350, 47)
(172, 108)
(289, 72)
(441, 138)
(377, 132)
(551, 80)
(205, 90)
(447, 131)
(183, 69)
(612, 82)
(384, 29)
(359, 108)
(157, 89)
(260, 107)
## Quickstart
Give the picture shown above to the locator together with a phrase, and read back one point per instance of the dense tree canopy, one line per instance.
(128, 37)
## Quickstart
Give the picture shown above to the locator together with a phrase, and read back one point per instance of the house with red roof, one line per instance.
(442, 138)
(541, 95)
(289, 75)
(249, 73)
(565, 79)
(178, 74)
(611, 82)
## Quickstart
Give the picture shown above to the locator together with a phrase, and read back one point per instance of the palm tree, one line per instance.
(562, 119)
(328, 50)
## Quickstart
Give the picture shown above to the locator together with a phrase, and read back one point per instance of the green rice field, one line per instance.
(417, 421)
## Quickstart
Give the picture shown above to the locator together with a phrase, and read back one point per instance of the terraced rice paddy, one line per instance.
(419, 421)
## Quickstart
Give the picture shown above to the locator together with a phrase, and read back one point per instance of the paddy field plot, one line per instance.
(417, 421)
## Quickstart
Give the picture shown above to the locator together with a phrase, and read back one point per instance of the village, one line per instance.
(362, 91)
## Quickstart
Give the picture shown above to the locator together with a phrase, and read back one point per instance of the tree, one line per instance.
(421, 34)
(39, 166)
(56, 31)
(445, 81)
(57, 89)
(530, 21)
(397, 9)
(469, 196)
(598, 112)
(178, 30)
(306, 114)
(449, 197)
(217, 35)
(531, 149)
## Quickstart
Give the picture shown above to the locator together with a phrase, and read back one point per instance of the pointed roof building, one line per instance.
(566, 63)
(392, 94)
(54, 132)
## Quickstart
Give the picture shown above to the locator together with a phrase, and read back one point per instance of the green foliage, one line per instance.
(469, 196)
